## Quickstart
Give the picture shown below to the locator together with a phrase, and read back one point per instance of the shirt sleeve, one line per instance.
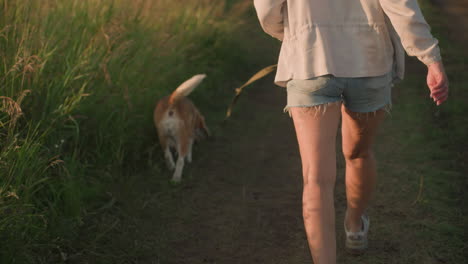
(413, 30)
(270, 15)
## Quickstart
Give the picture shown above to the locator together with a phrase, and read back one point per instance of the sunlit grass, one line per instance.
(78, 81)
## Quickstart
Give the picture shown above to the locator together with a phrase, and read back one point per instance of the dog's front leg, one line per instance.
(165, 145)
(189, 152)
(168, 157)
(182, 151)
(178, 169)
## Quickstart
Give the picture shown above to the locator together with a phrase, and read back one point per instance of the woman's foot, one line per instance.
(357, 242)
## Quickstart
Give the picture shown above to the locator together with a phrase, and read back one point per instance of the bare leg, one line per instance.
(358, 132)
(316, 134)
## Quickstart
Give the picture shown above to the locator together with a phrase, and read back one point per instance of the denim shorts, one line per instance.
(362, 95)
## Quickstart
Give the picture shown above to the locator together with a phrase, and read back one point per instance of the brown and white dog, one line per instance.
(179, 123)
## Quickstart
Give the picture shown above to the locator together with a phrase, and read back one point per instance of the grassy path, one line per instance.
(240, 201)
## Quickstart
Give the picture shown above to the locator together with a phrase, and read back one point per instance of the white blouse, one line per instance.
(346, 38)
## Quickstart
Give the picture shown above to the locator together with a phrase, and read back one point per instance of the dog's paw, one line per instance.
(175, 182)
(177, 175)
(170, 164)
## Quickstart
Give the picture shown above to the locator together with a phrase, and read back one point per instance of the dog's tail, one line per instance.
(186, 88)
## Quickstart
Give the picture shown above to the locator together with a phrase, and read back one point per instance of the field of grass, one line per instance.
(429, 165)
(442, 186)
(78, 83)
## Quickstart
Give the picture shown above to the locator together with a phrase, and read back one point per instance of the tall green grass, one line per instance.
(78, 82)
(438, 137)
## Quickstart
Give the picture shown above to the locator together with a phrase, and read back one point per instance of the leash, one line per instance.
(262, 73)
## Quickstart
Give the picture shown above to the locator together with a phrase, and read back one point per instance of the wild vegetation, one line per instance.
(78, 83)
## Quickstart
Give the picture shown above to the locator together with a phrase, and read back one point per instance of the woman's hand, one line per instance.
(437, 82)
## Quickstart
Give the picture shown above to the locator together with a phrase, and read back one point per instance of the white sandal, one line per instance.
(356, 242)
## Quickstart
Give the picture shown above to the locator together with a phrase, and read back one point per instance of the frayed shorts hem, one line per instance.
(387, 107)
(322, 107)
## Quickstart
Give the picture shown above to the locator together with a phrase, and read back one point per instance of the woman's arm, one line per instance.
(269, 13)
(413, 30)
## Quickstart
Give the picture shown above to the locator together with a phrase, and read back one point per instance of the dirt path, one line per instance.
(240, 201)
(247, 205)
(253, 211)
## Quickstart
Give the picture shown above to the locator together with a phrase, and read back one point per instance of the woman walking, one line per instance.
(338, 61)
